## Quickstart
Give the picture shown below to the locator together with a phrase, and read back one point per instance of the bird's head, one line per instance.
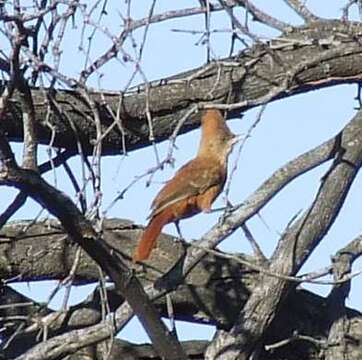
(216, 138)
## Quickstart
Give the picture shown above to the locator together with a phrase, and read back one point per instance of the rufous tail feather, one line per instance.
(150, 235)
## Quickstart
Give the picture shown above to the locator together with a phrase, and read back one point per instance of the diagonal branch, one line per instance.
(338, 321)
(81, 231)
(263, 17)
(17, 203)
(20, 198)
(294, 248)
(299, 7)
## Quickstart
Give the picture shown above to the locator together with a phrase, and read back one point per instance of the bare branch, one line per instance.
(252, 83)
(263, 17)
(18, 202)
(296, 337)
(338, 318)
(236, 23)
(302, 10)
(132, 25)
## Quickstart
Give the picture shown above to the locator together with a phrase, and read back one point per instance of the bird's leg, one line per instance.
(182, 239)
(177, 225)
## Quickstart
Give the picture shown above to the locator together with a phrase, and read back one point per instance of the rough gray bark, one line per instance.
(318, 55)
(214, 293)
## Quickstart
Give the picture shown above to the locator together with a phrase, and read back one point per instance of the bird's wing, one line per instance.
(194, 178)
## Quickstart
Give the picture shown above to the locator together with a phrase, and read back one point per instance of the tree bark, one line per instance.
(214, 293)
(322, 54)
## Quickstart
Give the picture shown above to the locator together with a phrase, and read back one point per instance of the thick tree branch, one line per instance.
(294, 63)
(338, 318)
(214, 293)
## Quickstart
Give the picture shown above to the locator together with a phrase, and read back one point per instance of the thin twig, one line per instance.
(263, 17)
(263, 270)
(296, 337)
(299, 7)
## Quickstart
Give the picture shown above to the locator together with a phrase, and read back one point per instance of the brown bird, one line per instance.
(195, 185)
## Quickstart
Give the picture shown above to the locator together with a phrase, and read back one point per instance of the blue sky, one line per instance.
(288, 128)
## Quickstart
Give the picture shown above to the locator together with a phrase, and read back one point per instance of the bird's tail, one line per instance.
(150, 235)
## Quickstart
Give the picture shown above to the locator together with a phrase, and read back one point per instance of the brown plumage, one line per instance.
(195, 185)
